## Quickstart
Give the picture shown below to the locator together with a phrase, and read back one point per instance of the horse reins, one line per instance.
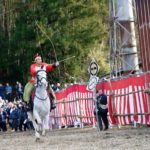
(43, 99)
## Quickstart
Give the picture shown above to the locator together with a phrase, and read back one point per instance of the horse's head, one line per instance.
(41, 78)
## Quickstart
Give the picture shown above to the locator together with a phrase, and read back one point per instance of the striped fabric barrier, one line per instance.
(72, 103)
(127, 102)
(127, 99)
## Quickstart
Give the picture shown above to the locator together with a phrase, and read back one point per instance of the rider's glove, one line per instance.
(56, 64)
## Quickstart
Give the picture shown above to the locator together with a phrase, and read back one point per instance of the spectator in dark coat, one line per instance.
(102, 109)
(22, 117)
(8, 92)
(19, 91)
(7, 109)
(3, 116)
(14, 117)
(58, 87)
(2, 91)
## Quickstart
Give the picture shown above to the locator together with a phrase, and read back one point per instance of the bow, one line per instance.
(47, 38)
(44, 33)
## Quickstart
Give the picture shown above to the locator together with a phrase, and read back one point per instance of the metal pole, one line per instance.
(126, 24)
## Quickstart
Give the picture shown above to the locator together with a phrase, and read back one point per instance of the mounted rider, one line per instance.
(30, 85)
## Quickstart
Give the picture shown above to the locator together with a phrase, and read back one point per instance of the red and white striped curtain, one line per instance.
(133, 102)
(72, 103)
(127, 102)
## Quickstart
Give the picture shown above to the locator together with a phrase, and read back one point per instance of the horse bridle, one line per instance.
(39, 81)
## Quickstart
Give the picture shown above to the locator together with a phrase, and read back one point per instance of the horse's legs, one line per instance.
(37, 117)
(37, 135)
(38, 124)
(45, 124)
(31, 117)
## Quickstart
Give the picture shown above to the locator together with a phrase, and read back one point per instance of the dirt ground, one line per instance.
(79, 139)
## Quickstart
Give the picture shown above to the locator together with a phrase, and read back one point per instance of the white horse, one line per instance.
(41, 105)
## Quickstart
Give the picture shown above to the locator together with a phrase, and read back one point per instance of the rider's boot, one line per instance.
(52, 97)
(30, 104)
(27, 95)
(53, 105)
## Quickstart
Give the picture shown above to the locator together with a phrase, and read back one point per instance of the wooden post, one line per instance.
(113, 102)
(147, 92)
(79, 108)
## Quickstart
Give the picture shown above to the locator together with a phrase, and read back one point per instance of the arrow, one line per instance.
(66, 59)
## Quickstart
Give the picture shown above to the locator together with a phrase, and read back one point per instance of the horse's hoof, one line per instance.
(37, 135)
(37, 139)
(43, 133)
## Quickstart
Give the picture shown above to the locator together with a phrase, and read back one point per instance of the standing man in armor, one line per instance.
(33, 70)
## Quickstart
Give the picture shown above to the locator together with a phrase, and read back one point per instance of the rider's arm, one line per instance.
(50, 67)
(32, 70)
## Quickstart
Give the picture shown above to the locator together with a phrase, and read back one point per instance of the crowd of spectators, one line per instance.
(10, 92)
(13, 115)
(13, 111)
(56, 87)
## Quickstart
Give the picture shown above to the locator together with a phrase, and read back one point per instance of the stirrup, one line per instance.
(29, 106)
(53, 106)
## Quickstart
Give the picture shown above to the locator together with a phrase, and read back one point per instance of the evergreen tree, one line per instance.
(58, 29)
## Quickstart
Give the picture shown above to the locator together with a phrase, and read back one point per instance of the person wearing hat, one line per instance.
(33, 69)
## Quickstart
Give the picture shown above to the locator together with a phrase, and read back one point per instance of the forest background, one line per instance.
(57, 29)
